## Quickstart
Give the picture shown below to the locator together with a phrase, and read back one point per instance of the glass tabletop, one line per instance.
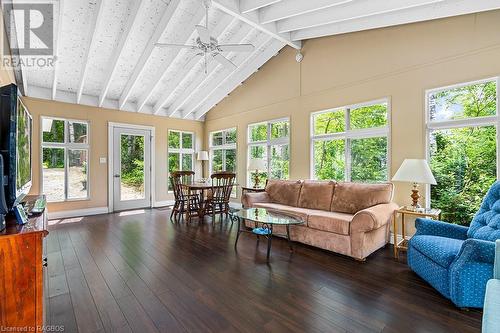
(264, 215)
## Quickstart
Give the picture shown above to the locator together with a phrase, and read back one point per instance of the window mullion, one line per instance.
(347, 145)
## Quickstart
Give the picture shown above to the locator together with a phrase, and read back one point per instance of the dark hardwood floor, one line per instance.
(137, 272)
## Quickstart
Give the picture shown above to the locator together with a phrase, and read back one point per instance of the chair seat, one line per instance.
(441, 250)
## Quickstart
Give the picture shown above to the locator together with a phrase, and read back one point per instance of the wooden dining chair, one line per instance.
(218, 201)
(185, 202)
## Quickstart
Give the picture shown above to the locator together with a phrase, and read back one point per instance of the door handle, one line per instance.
(117, 176)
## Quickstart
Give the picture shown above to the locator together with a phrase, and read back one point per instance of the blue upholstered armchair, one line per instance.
(456, 260)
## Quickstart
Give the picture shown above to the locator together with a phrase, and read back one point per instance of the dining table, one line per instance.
(201, 187)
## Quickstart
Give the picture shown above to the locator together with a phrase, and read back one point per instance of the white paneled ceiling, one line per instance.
(106, 52)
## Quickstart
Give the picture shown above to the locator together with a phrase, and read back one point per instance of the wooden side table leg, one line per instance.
(395, 234)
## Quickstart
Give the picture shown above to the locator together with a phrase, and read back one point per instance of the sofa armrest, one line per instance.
(373, 217)
(251, 198)
(439, 228)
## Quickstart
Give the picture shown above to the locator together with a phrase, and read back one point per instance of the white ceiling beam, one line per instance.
(185, 35)
(223, 26)
(251, 5)
(291, 8)
(148, 50)
(355, 10)
(252, 18)
(418, 14)
(232, 81)
(240, 35)
(60, 18)
(20, 72)
(94, 26)
(132, 21)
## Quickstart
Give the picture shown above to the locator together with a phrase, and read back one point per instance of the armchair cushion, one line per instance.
(438, 228)
(486, 222)
(441, 250)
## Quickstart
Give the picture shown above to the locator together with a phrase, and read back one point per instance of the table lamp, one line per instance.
(257, 165)
(202, 156)
(417, 172)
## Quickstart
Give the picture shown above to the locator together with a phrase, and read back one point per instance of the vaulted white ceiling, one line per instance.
(107, 56)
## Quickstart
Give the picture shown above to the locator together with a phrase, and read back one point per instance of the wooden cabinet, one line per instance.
(22, 263)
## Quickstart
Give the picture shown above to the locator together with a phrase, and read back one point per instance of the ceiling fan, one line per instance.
(206, 45)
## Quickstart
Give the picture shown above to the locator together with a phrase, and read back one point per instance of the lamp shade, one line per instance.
(257, 164)
(414, 171)
(202, 155)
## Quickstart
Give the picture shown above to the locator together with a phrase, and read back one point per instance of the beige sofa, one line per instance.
(346, 218)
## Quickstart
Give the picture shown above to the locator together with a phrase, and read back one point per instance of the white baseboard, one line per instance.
(163, 203)
(63, 214)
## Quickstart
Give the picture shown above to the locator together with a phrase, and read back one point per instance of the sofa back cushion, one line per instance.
(316, 194)
(285, 192)
(352, 197)
(486, 223)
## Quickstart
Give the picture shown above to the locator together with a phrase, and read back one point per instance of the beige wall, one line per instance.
(399, 63)
(99, 119)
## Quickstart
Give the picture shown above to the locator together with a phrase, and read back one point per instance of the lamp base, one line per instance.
(415, 196)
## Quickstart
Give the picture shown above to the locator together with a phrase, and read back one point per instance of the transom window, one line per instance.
(65, 151)
(270, 141)
(462, 146)
(180, 152)
(350, 143)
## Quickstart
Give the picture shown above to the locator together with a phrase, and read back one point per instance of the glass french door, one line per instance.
(131, 168)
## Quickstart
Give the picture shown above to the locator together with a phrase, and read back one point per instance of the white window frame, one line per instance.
(224, 147)
(66, 145)
(433, 125)
(181, 151)
(268, 143)
(349, 134)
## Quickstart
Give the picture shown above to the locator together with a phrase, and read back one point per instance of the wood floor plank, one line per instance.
(159, 276)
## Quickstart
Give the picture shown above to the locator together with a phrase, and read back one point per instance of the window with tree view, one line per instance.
(462, 145)
(223, 150)
(270, 141)
(180, 152)
(350, 143)
(65, 150)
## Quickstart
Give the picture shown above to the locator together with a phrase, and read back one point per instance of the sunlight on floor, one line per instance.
(132, 212)
(65, 221)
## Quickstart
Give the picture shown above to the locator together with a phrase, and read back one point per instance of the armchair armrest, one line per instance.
(477, 250)
(439, 228)
(250, 198)
(373, 217)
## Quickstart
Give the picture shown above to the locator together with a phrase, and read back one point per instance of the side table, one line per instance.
(403, 244)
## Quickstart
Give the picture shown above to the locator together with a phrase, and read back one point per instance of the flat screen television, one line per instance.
(16, 126)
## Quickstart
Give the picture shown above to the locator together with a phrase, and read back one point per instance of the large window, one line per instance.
(270, 141)
(65, 151)
(351, 143)
(180, 152)
(223, 150)
(462, 146)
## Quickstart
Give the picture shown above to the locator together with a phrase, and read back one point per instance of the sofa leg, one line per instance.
(465, 309)
(360, 260)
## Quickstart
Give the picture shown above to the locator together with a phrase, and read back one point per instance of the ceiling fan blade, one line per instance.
(178, 46)
(236, 48)
(224, 61)
(204, 34)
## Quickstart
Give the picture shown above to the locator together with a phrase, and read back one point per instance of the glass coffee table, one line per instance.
(264, 220)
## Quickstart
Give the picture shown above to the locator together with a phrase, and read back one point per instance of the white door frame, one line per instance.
(111, 128)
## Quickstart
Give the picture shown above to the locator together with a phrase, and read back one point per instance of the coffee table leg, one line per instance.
(288, 237)
(238, 233)
(269, 241)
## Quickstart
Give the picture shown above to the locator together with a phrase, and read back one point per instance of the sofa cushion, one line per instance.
(486, 223)
(330, 221)
(316, 194)
(441, 250)
(352, 197)
(285, 192)
(302, 213)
